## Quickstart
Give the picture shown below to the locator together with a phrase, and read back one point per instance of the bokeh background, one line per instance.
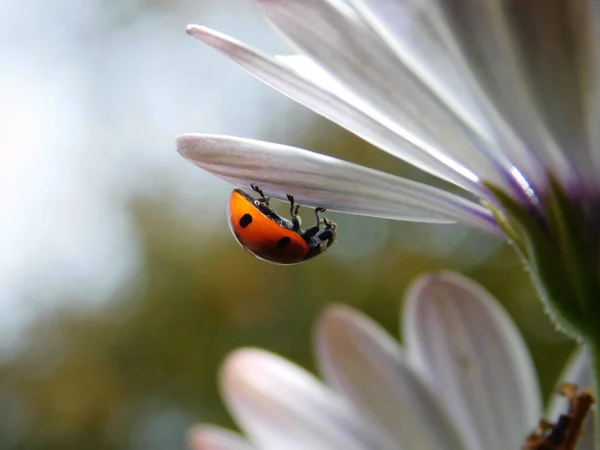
(121, 288)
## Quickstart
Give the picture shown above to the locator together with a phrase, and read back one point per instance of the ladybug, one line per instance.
(272, 238)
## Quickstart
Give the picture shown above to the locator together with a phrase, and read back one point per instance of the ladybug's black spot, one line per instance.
(283, 242)
(245, 220)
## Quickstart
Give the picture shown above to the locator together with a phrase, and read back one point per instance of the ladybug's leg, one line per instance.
(317, 241)
(317, 215)
(328, 223)
(312, 231)
(294, 213)
(263, 198)
(328, 234)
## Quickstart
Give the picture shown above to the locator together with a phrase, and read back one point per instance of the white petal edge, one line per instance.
(210, 437)
(416, 34)
(557, 48)
(484, 34)
(474, 357)
(319, 180)
(298, 82)
(593, 113)
(338, 41)
(358, 358)
(409, 29)
(281, 406)
(577, 370)
(308, 69)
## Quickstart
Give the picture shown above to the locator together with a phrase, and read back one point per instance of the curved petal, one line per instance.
(303, 81)
(281, 406)
(593, 100)
(558, 37)
(209, 437)
(489, 34)
(577, 371)
(475, 358)
(361, 360)
(416, 34)
(336, 38)
(319, 180)
(410, 30)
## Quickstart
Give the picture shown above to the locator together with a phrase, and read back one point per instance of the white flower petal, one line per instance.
(409, 28)
(560, 68)
(319, 180)
(305, 82)
(475, 358)
(361, 360)
(593, 100)
(281, 406)
(337, 40)
(210, 437)
(578, 371)
(418, 36)
(489, 41)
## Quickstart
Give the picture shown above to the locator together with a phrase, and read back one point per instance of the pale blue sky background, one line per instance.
(92, 95)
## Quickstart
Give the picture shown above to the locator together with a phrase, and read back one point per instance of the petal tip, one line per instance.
(196, 436)
(434, 289)
(442, 276)
(337, 318)
(212, 37)
(435, 280)
(185, 143)
(242, 359)
(196, 31)
(337, 312)
(248, 365)
(238, 373)
(212, 437)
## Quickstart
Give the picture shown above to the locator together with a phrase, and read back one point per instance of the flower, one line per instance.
(498, 97)
(465, 380)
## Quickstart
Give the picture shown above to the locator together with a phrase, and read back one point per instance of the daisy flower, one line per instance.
(498, 97)
(463, 381)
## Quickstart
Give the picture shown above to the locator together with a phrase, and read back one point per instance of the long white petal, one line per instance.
(319, 180)
(475, 358)
(488, 33)
(361, 360)
(578, 371)
(281, 406)
(210, 437)
(415, 32)
(296, 77)
(593, 100)
(338, 41)
(560, 68)
(410, 30)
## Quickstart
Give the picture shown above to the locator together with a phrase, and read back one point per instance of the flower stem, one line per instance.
(594, 346)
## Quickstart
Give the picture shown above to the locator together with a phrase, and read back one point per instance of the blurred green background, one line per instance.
(121, 288)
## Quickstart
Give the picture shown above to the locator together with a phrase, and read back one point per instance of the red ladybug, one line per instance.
(272, 238)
